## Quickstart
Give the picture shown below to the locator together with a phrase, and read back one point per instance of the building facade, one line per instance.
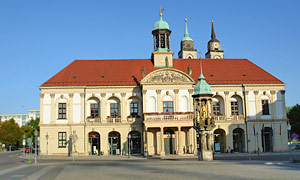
(21, 119)
(145, 106)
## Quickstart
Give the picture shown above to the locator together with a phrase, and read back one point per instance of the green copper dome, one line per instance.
(161, 24)
(202, 87)
(186, 33)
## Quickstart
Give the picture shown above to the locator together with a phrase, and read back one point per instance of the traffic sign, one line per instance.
(295, 136)
(24, 142)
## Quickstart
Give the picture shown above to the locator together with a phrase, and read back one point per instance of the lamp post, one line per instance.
(47, 137)
(35, 153)
(29, 140)
(24, 142)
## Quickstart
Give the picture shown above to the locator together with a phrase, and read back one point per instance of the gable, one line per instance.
(167, 76)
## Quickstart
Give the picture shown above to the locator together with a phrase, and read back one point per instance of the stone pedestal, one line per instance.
(207, 155)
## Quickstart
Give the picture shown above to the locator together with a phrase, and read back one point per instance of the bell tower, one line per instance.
(214, 46)
(187, 50)
(162, 55)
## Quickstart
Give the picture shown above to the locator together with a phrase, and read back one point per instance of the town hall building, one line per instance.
(145, 106)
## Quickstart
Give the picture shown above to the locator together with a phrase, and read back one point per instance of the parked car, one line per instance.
(11, 148)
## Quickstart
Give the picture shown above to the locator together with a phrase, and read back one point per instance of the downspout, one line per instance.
(245, 116)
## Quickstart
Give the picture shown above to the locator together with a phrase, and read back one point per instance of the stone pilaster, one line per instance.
(144, 100)
(83, 105)
(283, 103)
(227, 105)
(123, 107)
(42, 108)
(273, 105)
(70, 114)
(246, 99)
(179, 147)
(159, 103)
(53, 109)
(176, 100)
(257, 106)
(103, 108)
(191, 100)
(162, 144)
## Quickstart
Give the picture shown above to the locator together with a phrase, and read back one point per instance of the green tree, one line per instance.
(294, 117)
(10, 133)
(27, 131)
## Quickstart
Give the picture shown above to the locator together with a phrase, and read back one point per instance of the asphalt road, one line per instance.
(155, 168)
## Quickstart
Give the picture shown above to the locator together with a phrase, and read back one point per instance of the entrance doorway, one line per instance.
(114, 143)
(219, 141)
(94, 143)
(135, 142)
(267, 139)
(238, 140)
(169, 141)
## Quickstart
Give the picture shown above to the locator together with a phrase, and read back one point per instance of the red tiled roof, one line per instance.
(120, 72)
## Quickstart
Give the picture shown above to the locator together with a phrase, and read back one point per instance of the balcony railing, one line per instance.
(93, 120)
(113, 119)
(220, 118)
(131, 119)
(168, 116)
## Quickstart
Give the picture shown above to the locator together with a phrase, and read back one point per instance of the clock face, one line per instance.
(217, 57)
(216, 45)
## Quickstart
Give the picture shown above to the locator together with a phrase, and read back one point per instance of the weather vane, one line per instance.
(161, 10)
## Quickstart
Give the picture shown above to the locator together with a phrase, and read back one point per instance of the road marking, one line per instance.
(273, 163)
(17, 175)
(39, 173)
(12, 169)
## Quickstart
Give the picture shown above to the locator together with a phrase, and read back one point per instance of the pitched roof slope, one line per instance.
(129, 72)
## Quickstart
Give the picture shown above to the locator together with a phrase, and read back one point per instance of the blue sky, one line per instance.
(40, 37)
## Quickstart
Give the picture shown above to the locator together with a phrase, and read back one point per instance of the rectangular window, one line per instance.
(62, 111)
(134, 108)
(216, 108)
(114, 109)
(265, 107)
(62, 139)
(234, 108)
(94, 110)
(168, 106)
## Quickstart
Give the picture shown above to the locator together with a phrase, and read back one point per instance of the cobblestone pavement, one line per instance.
(229, 166)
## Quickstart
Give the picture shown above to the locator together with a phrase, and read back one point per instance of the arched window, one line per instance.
(265, 105)
(236, 105)
(218, 105)
(114, 106)
(93, 107)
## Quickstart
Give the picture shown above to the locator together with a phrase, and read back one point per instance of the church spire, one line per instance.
(214, 46)
(186, 33)
(213, 34)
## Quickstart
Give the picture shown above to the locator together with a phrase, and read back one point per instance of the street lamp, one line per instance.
(24, 142)
(47, 137)
(35, 136)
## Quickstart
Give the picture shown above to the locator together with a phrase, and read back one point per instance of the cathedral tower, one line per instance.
(187, 50)
(214, 46)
